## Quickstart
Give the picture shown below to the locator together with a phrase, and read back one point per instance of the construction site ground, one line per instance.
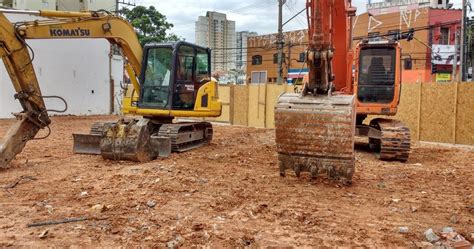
(227, 194)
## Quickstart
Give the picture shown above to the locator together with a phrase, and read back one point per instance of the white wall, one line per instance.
(35, 4)
(77, 70)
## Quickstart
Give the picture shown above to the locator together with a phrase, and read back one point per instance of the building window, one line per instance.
(444, 36)
(257, 60)
(302, 57)
(408, 64)
(275, 58)
(259, 77)
(440, 2)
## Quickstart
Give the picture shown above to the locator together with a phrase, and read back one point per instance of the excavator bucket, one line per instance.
(87, 144)
(316, 135)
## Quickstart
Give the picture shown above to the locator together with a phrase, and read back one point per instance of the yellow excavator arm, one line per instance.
(14, 52)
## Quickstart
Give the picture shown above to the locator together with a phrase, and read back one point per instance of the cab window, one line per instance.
(203, 72)
(183, 93)
(155, 88)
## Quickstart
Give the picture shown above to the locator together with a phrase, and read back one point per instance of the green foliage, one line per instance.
(150, 24)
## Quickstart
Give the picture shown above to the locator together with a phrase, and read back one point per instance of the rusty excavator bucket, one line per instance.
(316, 134)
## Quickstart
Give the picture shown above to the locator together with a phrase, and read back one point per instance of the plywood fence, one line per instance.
(435, 112)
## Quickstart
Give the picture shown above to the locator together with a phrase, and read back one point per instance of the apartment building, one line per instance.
(218, 33)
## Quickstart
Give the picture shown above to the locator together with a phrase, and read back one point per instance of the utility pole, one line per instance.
(455, 59)
(463, 67)
(127, 3)
(280, 41)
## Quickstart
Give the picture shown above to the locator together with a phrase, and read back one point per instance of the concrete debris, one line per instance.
(175, 243)
(396, 200)
(403, 230)
(151, 204)
(44, 234)
(49, 208)
(99, 208)
(450, 239)
(431, 236)
(454, 219)
(447, 230)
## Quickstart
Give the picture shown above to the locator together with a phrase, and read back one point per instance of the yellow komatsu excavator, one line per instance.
(167, 81)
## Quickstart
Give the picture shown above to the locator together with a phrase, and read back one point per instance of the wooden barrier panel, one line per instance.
(435, 112)
(410, 107)
(465, 114)
(240, 105)
(257, 102)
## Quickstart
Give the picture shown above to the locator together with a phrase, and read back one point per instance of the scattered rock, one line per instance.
(461, 244)
(49, 208)
(431, 236)
(44, 234)
(396, 200)
(414, 209)
(175, 243)
(151, 204)
(447, 230)
(99, 208)
(403, 229)
(198, 227)
(381, 185)
(83, 194)
(424, 244)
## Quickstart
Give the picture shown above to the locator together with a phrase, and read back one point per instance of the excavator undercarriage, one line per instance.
(142, 140)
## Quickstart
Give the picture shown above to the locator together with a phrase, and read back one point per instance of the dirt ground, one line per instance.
(228, 194)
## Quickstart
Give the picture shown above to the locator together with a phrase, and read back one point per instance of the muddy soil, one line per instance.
(227, 194)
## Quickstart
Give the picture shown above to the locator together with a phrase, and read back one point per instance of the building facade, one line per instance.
(262, 58)
(64, 5)
(82, 71)
(241, 49)
(428, 57)
(218, 33)
(393, 6)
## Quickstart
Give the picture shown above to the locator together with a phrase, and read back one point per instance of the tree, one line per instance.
(150, 24)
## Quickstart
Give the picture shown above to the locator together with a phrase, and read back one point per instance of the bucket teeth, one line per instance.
(316, 135)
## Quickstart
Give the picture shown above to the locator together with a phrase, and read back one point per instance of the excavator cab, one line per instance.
(378, 78)
(176, 80)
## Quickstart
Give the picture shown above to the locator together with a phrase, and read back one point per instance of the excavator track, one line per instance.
(187, 136)
(316, 135)
(394, 143)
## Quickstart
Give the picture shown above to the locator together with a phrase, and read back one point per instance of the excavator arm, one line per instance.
(14, 52)
(329, 45)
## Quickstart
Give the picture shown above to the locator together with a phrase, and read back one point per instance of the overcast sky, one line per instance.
(253, 15)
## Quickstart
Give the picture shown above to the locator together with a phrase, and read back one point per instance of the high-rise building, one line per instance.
(218, 33)
(29, 5)
(241, 49)
(65, 5)
(75, 5)
(391, 6)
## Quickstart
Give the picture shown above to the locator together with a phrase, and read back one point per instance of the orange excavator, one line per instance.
(315, 130)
